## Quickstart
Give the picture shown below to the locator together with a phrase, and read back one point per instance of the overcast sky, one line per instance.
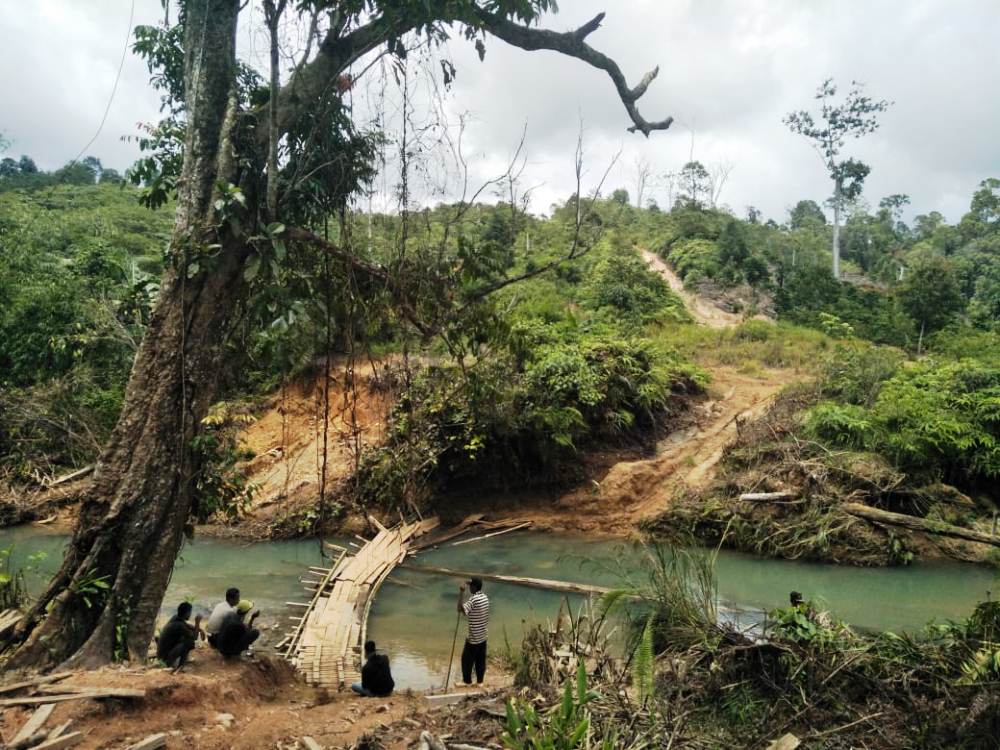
(729, 71)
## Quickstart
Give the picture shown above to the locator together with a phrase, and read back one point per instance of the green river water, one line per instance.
(413, 617)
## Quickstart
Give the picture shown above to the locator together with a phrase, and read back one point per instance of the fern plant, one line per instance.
(567, 728)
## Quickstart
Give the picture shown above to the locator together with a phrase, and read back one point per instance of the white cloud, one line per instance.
(730, 70)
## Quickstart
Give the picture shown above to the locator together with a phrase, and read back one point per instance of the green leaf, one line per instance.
(252, 268)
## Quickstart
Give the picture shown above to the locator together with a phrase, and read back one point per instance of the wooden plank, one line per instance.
(520, 526)
(765, 497)
(153, 742)
(914, 523)
(60, 730)
(66, 740)
(34, 722)
(34, 700)
(71, 476)
(43, 680)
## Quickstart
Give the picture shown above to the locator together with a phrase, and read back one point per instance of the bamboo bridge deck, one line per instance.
(326, 644)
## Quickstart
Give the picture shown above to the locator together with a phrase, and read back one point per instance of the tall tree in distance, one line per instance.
(829, 132)
(237, 209)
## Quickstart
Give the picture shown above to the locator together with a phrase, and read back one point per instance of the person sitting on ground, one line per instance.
(236, 636)
(376, 677)
(177, 638)
(214, 624)
(477, 611)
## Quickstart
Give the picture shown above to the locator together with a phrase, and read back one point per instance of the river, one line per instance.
(413, 617)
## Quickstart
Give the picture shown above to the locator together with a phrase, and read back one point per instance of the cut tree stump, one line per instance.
(34, 723)
(918, 524)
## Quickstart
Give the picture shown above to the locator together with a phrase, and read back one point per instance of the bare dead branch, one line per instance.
(573, 44)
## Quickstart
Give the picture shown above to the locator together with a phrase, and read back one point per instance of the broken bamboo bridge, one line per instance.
(326, 639)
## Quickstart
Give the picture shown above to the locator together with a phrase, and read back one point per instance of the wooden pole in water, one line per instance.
(454, 640)
(566, 587)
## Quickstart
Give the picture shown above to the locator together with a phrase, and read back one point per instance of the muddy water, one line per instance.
(413, 618)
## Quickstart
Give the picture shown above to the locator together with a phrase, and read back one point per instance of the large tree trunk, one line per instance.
(130, 530)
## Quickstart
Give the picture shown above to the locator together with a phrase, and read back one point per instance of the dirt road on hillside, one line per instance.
(701, 310)
(632, 491)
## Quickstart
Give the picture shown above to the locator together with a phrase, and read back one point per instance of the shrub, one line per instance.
(518, 416)
(855, 373)
(694, 259)
(842, 424)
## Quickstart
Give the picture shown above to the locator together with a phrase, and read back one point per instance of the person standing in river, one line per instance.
(477, 610)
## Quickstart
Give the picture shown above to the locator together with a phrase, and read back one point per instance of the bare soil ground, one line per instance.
(623, 493)
(216, 705)
(289, 439)
(701, 309)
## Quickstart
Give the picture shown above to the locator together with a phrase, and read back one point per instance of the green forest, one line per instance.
(232, 346)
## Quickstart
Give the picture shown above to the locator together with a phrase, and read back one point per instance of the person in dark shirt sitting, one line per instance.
(177, 637)
(376, 678)
(236, 636)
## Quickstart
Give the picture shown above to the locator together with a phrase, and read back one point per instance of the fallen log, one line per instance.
(537, 583)
(915, 523)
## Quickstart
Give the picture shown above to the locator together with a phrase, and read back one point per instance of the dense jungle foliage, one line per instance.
(519, 379)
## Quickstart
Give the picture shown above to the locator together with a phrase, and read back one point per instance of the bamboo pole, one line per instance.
(538, 583)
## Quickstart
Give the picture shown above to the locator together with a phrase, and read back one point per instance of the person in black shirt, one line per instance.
(236, 636)
(177, 637)
(376, 678)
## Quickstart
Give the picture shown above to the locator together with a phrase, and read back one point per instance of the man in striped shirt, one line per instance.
(477, 610)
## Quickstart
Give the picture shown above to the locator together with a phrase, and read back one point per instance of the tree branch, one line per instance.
(369, 269)
(573, 44)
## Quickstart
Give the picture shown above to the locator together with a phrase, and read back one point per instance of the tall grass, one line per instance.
(670, 605)
(750, 346)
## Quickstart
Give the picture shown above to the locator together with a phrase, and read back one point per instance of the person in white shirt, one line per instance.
(218, 615)
(477, 610)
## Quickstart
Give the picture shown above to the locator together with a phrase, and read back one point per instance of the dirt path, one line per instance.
(701, 310)
(631, 491)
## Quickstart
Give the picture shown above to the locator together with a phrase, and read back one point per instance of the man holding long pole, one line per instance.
(477, 610)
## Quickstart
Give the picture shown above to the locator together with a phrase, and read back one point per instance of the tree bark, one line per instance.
(837, 193)
(131, 527)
